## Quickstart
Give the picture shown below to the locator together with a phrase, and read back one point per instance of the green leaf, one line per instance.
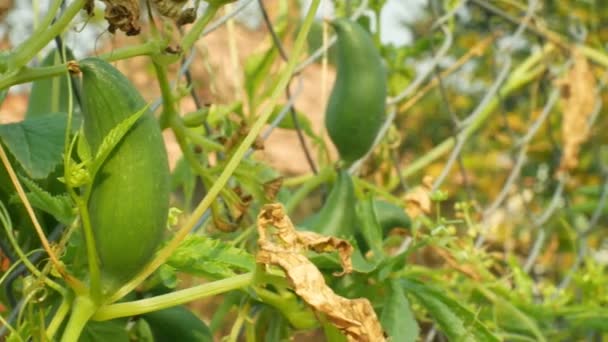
(288, 123)
(141, 332)
(36, 143)
(370, 227)
(114, 330)
(83, 149)
(509, 316)
(455, 320)
(183, 177)
(49, 95)
(257, 69)
(59, 206)
(168, 276)
(332, 334)
(219, 112)
(203, 256)
(113, 138)
(397, 318)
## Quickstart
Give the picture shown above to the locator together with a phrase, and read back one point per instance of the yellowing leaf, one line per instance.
(418, 200)
(578, 92)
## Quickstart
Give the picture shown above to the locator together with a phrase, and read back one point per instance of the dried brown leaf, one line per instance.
(282, 245)
(170, 8)
(272, 187)
(123, 15)
(578, 92)
(418, 200)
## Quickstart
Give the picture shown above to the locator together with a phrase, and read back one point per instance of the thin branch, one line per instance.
(279, 45)
(447, 43)
(514, 174)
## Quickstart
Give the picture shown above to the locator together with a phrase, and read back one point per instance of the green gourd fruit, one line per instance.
(338, 216)
(356, 108)
(129, 199)
(177, 324)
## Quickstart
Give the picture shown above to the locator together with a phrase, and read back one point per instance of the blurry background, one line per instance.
(531, 167)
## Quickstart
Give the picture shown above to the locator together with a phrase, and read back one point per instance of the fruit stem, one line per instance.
(82, 310)
(94, 272)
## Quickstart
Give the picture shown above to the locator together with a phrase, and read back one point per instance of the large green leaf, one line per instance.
(397, 318)
(50, 95)
(36, 143)
(59, 206)
(456, 321)
(114, 330)
(288, 123)
(370, 227)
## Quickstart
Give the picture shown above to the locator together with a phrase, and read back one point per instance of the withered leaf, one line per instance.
(578, 98)
(272, 187)
(282, 245)
(418, 200)
(122, 15)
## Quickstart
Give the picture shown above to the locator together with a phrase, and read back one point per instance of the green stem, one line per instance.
(22, 256)
(237, 326)
(232, 164)
(519, 77)
(28, 49)
(58, 317)
(142, 306)
(169, 113)
(306, 188)
(31, 74)
(297, 180)
(192, 36)
(94, 272)
(82, 310)
(48, 18)
(595, 55)
(206, 143)
(299, 317)
(146, 49)
(27, 74)
(376, 189)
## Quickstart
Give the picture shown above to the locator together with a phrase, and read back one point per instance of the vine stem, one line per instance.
(197, 29)
(82, 310)
(232, 164)
(307, 187)
(23, 257)
(142, 306)
(27, 74)
(58, 317)
(76, 284)
(93, 260)
(28, 49)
